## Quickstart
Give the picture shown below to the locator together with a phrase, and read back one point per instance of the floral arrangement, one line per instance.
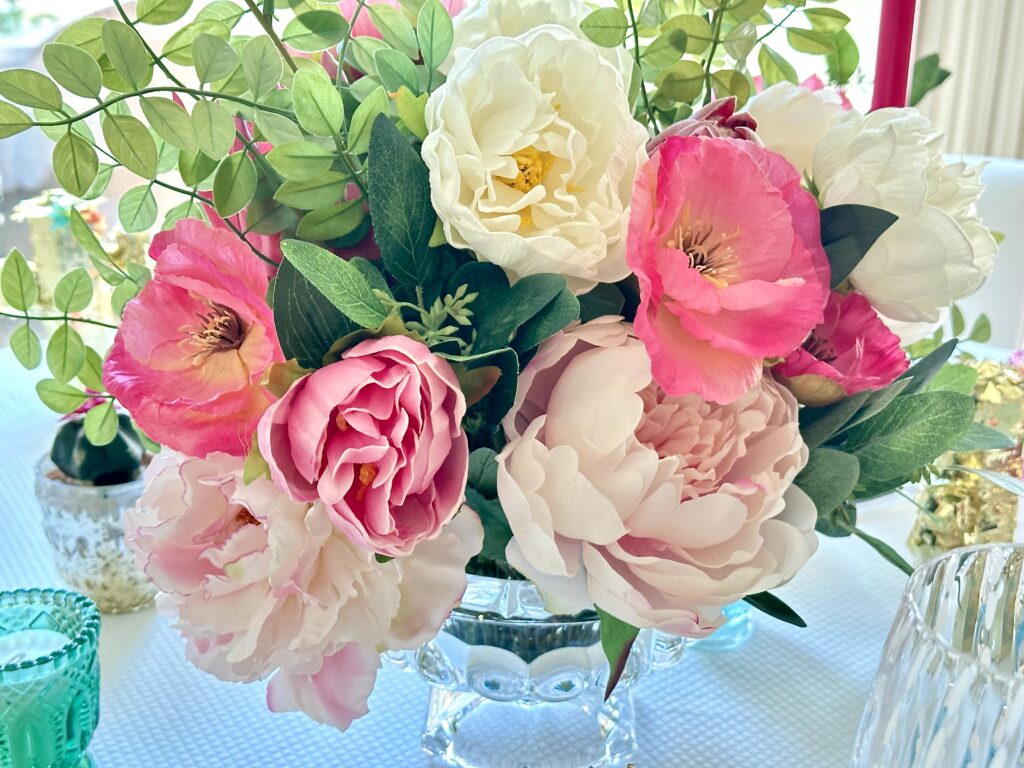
(533, 291)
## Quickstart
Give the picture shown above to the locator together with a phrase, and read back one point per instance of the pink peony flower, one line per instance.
(193, 345)
(716, 120)
(850, 351)
(377, 437)
(262, 585)
(659, 509)
(726, 246)
(364, 26)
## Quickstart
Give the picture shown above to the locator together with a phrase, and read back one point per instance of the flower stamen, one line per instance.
(709, 252)
(219, 330)
(533, 165)
(367, 474)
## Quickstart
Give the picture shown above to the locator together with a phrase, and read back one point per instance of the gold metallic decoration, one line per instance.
(965, 509)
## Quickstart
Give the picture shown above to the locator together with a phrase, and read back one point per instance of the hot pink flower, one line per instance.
(364, 26)
(192, 348)
(726, 246)
(717, 119)
(377, 437)
(850, 351)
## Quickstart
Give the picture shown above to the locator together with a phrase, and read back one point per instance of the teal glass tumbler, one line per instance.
(49, 678)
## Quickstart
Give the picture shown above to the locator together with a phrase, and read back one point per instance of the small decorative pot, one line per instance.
(513, 686)
(84, 524)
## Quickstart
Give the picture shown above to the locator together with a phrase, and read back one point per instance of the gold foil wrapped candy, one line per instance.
(966, 509)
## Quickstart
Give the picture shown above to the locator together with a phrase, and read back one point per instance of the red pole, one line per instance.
(892, 67)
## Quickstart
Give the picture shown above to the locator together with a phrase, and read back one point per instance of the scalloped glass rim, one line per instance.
(914, 593)
(87, 635)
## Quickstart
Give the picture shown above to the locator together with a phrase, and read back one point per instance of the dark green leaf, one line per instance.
(617, 638)
(829, 479)
(925, 369)
(768, 603)
(556, 315)
(497, 402)
(980, 437)
(497, 533)
(343, 284)
(510, 310)
(848, 232)
(928, 76)
(307, 322)
(605, 299)
(399, 194)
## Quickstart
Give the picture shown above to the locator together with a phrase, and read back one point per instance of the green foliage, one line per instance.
(617, 638)
(928, 76)
(17, 283)
(847, 234)
(307, 322)
(774, 607)
(607, 27)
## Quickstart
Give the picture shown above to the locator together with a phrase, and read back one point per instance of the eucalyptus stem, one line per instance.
(716, 38)
(58, 318)
(776, 25)
(268, 27)
(196, 92)
(636, 58)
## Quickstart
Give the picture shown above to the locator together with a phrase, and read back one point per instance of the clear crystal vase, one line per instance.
(512, 686)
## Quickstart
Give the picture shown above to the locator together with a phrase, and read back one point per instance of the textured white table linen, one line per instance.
(790, 698)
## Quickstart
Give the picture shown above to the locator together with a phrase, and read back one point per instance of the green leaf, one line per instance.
(842, 65)
(255, 465)
(17, 283)
(75, 163)
(178, 48)
(768, 603)
(883, 549)
(809, 41)
(123, 293)
(928, 76)
(731, 82)
(395, 70)
(268, 217)
(395, 28)
(223, 11)
(606, 27)
(497, 532)
(954, 378)
(91, 374)
(509, 310)
(170, 121)
(434, 33)
(318, 104)
(65, 353)
(195, 167)
(774, 68)
(322, 190)
(215, 129)
(60, 397)
(496, 402)
(697, 28)
(911, 432)
(161, 11)
(213, 57)
(262, 66)
(617, 638)
(307, 322)
(25, 346)
(740, 41)
(332, 221)
(925, 369)
(131, 143)
(981, 331)
(682, 82)
(483, 472)
(235, 183)
(980, 437)
(363, 119)
(73, 292)
(665, 50)
(127, 53)
(556, 315)
(828, 479)
(410, 110)
(827, 20)
(848, 232)
(101, 424)
(315, 30)
(277, 129)
(12, 120)
(604, 299)
(344, 285)
(137, 209)
(957, 320)
(30, 89)
(73, 68)
(85, 34)
(300, 160)
(399, 193)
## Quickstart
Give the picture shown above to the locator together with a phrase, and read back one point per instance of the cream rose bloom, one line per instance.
(263, 586)
(660, 510)
(488, 19)
(532, 152)
(791, 120)
(938, 250)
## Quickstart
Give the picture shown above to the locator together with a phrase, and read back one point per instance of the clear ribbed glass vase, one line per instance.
(513, 686)
(950, 687)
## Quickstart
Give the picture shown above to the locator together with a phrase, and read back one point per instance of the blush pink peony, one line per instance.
(726, 246)
(376, 436)
(265, 586)
(852, 350)
(193, 346)
(658, 509)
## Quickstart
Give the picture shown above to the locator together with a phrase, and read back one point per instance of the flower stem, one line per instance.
(878, 545)
(777, 25)
(58, 318)
(343, 50)
(716, 36)
(268, 27)
(636, 58)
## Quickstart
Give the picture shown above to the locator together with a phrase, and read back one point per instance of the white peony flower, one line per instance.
(791, 120)
(938, 251)
(510, 18)
(532, 151)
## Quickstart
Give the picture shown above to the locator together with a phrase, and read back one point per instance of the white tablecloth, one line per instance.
(790, 698)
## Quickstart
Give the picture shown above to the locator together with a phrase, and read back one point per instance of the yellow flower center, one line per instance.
(219, 330)
(533, 165)
(709, 252)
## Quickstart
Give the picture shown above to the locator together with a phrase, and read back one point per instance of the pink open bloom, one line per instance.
(377, 437)
(850, 351)
(192, 347)
(726, 246)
